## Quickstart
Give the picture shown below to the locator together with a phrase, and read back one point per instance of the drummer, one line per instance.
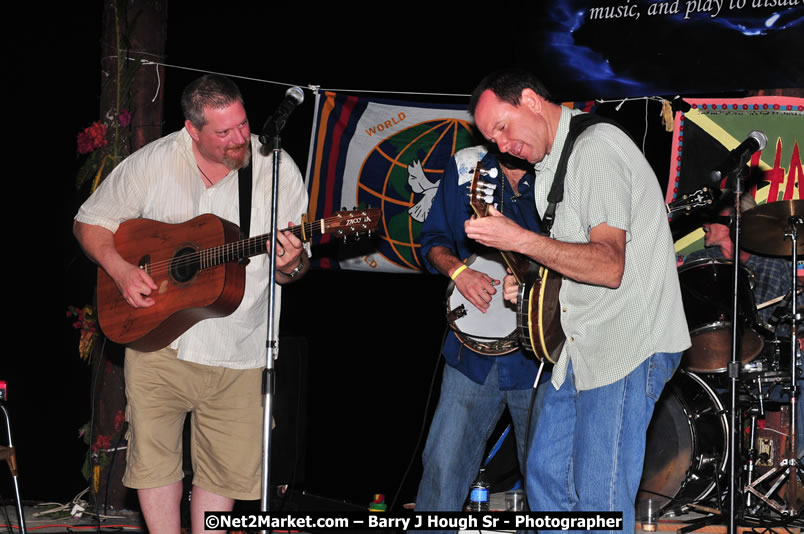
(771, 276)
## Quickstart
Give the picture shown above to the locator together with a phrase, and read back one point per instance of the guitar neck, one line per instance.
(254, 246)
(519, 264)
(342, 224)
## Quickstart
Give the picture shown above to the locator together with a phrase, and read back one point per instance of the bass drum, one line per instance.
(687, 443)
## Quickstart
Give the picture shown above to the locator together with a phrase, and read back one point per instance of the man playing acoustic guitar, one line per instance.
(621, 308)
(214, 369)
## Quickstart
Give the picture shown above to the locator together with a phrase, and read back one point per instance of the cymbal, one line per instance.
(764, 228)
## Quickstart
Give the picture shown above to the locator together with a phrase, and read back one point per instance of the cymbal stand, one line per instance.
(787, 470)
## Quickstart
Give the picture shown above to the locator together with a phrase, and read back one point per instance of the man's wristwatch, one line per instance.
(295, 271)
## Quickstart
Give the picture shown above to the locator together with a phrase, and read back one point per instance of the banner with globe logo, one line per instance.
(385, 154)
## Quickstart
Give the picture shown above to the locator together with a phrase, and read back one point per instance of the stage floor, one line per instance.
(55, 518)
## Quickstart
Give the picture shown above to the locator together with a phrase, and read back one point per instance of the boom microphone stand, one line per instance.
(735, 164)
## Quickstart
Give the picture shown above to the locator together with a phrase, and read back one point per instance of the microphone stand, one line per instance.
(268, 377)
(795, 393)
(734, 364)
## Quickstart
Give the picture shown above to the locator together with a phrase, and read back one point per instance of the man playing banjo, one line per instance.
(482, 375)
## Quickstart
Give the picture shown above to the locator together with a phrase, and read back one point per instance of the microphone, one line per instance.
(276, 122)
(739, 156)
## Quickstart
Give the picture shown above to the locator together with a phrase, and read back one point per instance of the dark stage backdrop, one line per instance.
(372, 338)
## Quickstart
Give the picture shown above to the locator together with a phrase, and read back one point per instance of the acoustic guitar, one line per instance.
(199, 267)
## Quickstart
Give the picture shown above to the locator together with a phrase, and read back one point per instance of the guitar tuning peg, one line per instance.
(491, 173)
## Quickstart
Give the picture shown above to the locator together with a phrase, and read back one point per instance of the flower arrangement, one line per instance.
(86, 321)
(101, 141)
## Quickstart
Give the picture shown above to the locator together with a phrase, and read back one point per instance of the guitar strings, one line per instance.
(217, 252)
(214, 254)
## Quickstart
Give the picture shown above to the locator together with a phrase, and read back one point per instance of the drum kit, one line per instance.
(690, 436)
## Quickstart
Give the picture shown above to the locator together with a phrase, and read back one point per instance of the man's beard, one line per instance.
(237, 157)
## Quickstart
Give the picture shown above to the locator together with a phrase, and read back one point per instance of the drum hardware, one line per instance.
(752, 455)
(784, 473)
(769, 469)
(782, 221)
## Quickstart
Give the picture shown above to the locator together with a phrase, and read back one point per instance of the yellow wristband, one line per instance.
(457, 271)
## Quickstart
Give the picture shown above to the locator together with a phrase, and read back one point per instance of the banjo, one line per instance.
(481, 331)
(536, 318)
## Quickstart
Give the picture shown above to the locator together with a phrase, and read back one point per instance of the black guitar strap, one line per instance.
(578, 124)
(244, 186)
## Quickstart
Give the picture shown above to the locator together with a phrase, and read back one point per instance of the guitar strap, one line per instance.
(244, 187)
(578, 124)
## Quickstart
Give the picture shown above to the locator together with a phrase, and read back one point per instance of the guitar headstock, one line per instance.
(353, 222)
(697, 199)
(481, 192)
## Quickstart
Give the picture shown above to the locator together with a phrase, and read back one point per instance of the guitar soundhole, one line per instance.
(184, 265)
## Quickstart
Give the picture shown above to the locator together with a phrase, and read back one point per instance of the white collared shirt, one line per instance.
(161, 181)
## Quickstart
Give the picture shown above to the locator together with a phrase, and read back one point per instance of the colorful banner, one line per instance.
(704, 135)
(386, 154)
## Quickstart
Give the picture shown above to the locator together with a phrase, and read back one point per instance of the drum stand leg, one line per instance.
(752, 457)
(786, 471)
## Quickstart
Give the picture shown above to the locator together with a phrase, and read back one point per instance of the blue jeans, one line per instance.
(466, 415)
(589, 446)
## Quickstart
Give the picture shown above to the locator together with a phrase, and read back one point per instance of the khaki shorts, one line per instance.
(226, 423)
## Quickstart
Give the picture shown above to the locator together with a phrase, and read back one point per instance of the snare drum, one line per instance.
(707, 291)
(492, 333)
(686, 450)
